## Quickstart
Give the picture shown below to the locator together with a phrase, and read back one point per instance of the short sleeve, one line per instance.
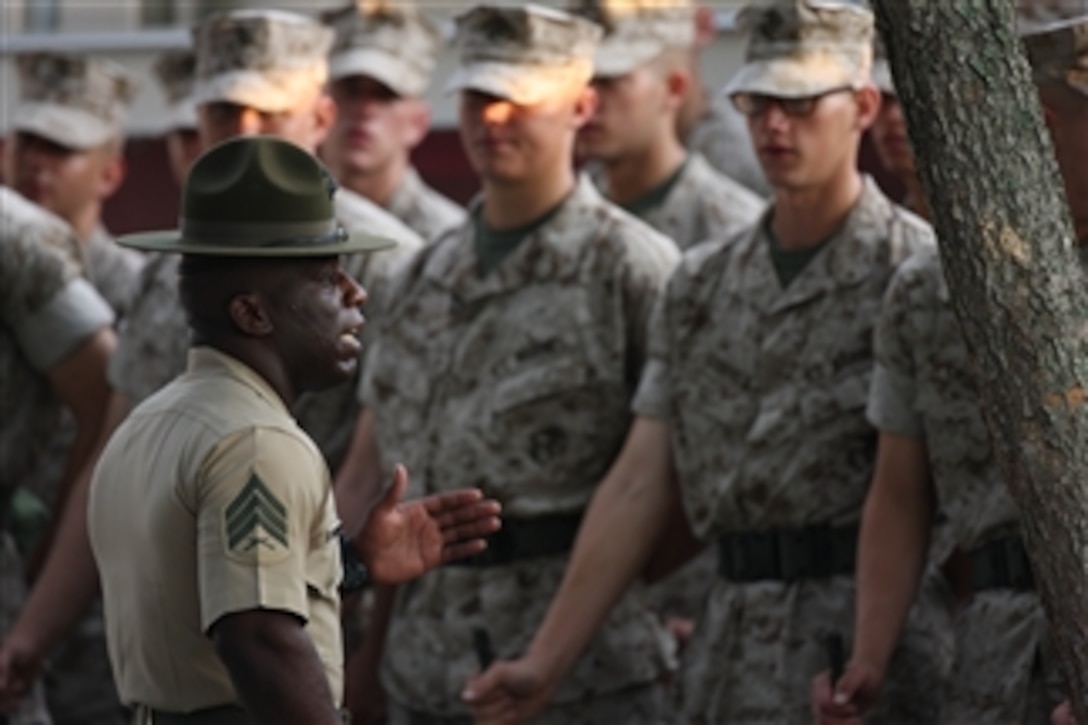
(264, 507)
(48, 308)
(893, 393)
(653, 398)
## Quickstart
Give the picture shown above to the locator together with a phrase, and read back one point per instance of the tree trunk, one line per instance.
(1007, 247)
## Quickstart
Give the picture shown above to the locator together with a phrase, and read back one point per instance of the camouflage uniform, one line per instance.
(423, 209)
(517, 383)
(722, 138)
(777, 380)
(923, 388)
(701, 204)
(47, 313)
(398, 47)
(1005, 670)
(80, 103)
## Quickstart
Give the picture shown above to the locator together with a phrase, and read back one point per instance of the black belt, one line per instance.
(520, 539)
(1001, 564)
(220, 715)
(813, 552)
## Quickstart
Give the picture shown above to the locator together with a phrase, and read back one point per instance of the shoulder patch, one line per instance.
(255, 524)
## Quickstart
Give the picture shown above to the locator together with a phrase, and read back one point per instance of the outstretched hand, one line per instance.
(508, 692)
(402, 540)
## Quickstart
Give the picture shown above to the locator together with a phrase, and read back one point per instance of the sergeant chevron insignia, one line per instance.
(255, 524)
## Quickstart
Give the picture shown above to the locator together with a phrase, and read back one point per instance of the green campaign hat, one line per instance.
(258, 196)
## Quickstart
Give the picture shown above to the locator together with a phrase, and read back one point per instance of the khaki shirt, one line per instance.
(329, 416)
(47, 312)
(765, 391)
(209, 500)
(517, 382)
(423, 209)
(722, 137)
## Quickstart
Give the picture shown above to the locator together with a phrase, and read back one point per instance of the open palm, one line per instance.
(402, 540)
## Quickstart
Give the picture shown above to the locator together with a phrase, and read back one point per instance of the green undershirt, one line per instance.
(789, 263)
(653, 198)
(495, 245)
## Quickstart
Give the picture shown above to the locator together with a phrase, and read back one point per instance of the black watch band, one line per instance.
(356, 575)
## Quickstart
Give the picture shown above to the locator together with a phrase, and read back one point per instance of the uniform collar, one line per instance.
(553, 251)
(846, 259)
(207, 360)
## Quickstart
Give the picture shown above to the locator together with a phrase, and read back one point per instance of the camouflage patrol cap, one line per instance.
(258, 196)
(524, 54)
(636, 31)
(1059, 54)
(175, 71)
(799, 48)
(386, 40)
(75, 101)
(270, 60)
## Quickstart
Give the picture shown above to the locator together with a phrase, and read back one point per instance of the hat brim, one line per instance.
(389, 70)
(272, 91)
(525, 85)
(69, 127)
(618, 58)
(811, 75)
(172, 240)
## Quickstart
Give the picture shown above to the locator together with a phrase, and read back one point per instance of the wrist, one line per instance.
(356, 574)
(549, 661)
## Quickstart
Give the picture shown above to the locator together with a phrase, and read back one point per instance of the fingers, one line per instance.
(488, 700)
(439, 503)
(483, 525)
(395, 494)
(462, 550)
(467, 513)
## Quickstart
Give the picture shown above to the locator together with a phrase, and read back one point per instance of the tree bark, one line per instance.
(1007, 247)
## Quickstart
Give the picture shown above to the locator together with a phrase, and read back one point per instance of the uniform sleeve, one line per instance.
(654, 395)
(48, 308)
(263, 517)
(893, 394)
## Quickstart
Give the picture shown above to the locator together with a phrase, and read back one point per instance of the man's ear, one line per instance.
(585, 105)
(324, 117)
(418, 123)
(678, 84)
(249, 313)
(868, 99)
(114, 169)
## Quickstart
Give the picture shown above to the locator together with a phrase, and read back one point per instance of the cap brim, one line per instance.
(795, 77)
(272, 91)
(171, 240)
(524, 85)
(387, 69)
(615, 59)
(69, 127)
